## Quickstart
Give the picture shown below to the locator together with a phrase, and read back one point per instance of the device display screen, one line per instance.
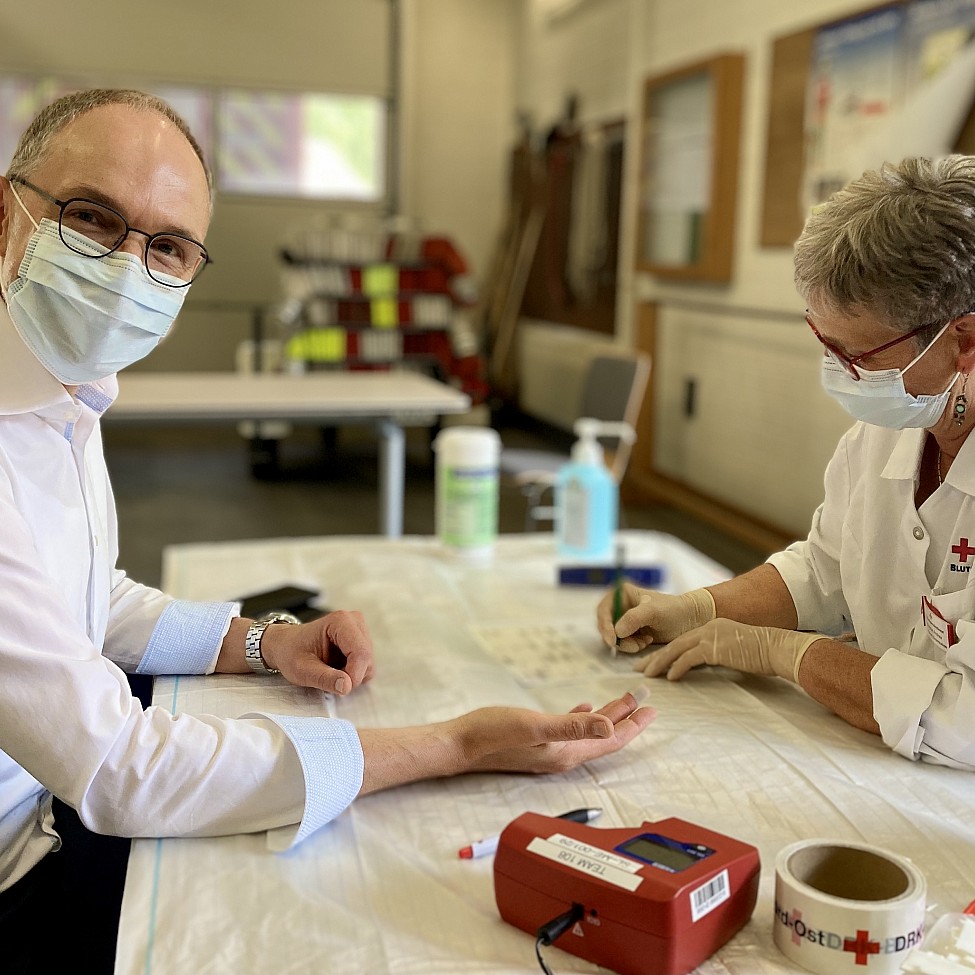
(663, 852)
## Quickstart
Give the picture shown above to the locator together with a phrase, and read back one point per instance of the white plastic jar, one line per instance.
(467, 489)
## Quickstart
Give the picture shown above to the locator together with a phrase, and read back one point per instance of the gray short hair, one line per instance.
(898, 243)
(37, 137)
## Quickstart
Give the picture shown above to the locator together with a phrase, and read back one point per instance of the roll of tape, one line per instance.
(843, 907)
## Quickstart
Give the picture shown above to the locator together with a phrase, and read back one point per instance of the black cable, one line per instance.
(552, 930)
(541, 960)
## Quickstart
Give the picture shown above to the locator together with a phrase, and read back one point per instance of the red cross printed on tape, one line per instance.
(963, 550)
(862, 944)
(796, 915)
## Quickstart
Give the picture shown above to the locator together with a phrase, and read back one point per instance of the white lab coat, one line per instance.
(869, 558)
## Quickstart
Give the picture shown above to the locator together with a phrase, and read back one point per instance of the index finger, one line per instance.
(623, 733)
(630, 727)
(622, 707)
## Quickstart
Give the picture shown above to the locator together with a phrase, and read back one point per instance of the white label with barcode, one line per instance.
(707, 897)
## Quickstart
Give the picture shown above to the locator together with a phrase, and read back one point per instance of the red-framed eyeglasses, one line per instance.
(850, 363)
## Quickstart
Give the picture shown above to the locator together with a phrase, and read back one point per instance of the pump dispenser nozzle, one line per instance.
(587, 449)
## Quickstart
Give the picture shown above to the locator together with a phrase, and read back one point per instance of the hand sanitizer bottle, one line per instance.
(586, 497)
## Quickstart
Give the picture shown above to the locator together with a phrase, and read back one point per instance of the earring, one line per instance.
(961, 407)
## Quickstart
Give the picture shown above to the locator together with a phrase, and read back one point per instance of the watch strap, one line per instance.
(254, 636)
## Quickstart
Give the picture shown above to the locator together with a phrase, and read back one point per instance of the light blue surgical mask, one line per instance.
(86, 319)
(880, 397)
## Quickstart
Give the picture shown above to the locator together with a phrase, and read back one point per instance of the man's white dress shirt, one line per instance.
(71, 623)
(870, 558)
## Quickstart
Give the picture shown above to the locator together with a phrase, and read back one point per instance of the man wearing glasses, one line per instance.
(103, 214)
(891, 549)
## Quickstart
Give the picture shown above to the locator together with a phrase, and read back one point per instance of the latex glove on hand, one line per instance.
(753, 649)
(652, 617)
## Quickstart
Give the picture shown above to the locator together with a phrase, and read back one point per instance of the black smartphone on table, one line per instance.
(284, 599)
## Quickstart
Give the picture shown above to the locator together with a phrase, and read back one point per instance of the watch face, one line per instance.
(279, 617)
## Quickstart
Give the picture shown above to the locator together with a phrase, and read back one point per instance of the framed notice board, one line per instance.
(691, 124)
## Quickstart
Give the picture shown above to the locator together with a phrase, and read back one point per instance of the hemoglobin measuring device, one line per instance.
(654, 900)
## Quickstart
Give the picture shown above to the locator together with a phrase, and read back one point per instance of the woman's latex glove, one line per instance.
(651, 617)
(754, 649)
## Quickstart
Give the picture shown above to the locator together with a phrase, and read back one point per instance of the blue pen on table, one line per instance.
(483, 848)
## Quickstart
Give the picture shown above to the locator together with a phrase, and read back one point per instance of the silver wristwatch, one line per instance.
(252, 641)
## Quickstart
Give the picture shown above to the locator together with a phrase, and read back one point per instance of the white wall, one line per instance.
(586, 51)
(458, 118)
(763, 429)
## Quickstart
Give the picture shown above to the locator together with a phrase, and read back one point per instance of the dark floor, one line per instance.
(195, 484)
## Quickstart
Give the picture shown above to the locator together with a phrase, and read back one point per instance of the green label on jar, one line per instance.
(467, 509)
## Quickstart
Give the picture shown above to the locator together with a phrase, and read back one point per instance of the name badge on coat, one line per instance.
(939, 629)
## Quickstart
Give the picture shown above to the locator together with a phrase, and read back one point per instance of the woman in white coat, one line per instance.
(886, 268)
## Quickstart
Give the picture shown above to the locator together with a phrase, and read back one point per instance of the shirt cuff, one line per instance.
(903, 689)
(187, 638)
(332, 763)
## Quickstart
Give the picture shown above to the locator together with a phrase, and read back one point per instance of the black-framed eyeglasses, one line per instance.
(850, 363)
(170, 259)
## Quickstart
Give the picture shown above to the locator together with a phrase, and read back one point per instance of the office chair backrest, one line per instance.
(613, 390)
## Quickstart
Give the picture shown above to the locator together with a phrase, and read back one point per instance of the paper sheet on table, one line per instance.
(540, 653)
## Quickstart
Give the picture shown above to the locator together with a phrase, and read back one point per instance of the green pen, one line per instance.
(618, 592)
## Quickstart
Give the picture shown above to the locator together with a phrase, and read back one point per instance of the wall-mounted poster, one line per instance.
(854, 84)
(892, 83)
(937, 33)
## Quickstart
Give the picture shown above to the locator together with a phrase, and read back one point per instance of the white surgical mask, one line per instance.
(880, 397)
(85, 319)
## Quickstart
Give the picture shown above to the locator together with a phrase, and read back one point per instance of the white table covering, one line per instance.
(381, 890)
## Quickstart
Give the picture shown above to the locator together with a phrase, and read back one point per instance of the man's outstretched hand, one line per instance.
(500, 739)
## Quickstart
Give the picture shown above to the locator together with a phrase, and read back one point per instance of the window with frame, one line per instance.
(309, 145)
